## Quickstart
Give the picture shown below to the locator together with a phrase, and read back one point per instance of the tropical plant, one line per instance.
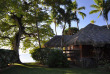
(55, 5)
(102, 6)
(77, 10)
(54, 17)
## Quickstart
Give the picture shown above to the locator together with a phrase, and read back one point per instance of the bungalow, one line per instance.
(85, 47)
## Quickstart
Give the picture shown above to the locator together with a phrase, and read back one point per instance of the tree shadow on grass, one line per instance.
(36, 69)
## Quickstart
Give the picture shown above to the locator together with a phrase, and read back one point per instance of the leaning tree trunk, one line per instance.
(107, 24)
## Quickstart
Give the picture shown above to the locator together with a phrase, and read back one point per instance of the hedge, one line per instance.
(7, 57)
(41, 55)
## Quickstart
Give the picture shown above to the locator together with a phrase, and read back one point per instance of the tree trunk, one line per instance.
(69, 31)
(69, 25)
(62, 39)
(16, 42)
(38, 34)
(77, 25)
(55, 26)
(37, 29)
(107, 24)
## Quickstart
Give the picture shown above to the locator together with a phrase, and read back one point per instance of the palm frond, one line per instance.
(75, 5)
(95, 6)
(98, 2)
(81, 8)
(100, 14)
(61, 11)
(82, 14)
(93, 11)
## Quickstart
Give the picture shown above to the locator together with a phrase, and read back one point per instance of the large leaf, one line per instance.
(99, 2)
(75, 5)
(94, 11)
(95, 6)
(82, 14)
(81, 8)
(100, 14)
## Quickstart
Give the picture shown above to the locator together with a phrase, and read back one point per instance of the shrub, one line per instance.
(40, 54)
(56, 58)
(105, 67)
(7, 57)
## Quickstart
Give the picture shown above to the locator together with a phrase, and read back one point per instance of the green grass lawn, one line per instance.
(30, 69)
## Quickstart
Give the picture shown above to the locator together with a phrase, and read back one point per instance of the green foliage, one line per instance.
(76, 9)
(19, 17)
(57, 59)
(93, 11)
(102, 6)
(71, 31)
(57, 2)
(40, 54)
(105, 67)
(7, 57)
(92, 21)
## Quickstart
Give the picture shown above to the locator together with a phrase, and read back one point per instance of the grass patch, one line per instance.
(33, 68)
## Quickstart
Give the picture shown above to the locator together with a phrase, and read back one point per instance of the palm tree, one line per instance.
(106, 11)
(77, 10)
(54, 16)
(103, 7)
(63, 17)
(66, 16)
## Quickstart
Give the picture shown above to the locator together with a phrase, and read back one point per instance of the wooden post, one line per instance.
(81, 55)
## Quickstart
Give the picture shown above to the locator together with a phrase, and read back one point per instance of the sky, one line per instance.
(99, 21)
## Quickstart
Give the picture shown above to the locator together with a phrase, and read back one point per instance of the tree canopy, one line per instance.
(18, 24)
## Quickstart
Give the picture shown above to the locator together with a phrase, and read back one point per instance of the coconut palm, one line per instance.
(54, 18)
(102, 6)
(77, 10)
(71, 15)
(106, 11)
(64, 16)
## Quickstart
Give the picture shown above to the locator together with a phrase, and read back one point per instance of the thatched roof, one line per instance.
(91, 35)
(56, 41)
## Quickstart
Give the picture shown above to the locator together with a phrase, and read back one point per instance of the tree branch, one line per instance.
(4, 37)
(30, 34)
(12, 26)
